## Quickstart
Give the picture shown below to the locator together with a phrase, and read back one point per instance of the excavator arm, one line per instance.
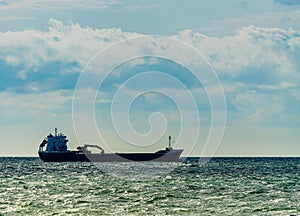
(84, 148)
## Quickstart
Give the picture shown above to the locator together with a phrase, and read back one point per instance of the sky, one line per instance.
(217, 75)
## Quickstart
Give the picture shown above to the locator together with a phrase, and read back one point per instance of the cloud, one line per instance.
(266, 52)
(17, 108)
(277, 19)
(259, 71)
(254, 65)
(260, 108)
(141, 7)
(51, 59)
(9, 18)
(56, 4)
(252, 50)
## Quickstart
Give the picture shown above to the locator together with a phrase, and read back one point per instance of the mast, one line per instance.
(55, 131)
(170, 138)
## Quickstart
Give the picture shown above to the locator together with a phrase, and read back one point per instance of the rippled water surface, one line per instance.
(223, 186)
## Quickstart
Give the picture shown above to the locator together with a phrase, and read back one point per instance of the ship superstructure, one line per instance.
(58, 143)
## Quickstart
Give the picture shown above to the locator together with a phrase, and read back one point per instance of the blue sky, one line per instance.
(253, 46)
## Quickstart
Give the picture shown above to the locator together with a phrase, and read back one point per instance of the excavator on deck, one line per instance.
(85, 147)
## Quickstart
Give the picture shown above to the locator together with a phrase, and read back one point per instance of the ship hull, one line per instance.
(75, 156)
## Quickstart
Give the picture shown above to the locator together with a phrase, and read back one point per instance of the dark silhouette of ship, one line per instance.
(54, 149)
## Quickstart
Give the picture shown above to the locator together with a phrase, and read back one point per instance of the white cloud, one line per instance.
(260, 108)
(56, 4)
(250, 47)
(9, 18)
(271, 49)
(24, 107)
(141, 6)
(63, 43)
(280, 86)
(267, 57)
(228, 26)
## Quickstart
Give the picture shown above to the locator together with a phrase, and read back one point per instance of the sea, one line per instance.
(218, 186)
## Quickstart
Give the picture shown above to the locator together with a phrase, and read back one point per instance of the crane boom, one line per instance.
(93, 146)
(85, 147)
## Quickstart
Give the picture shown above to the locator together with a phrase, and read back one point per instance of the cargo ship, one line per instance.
(54, 149)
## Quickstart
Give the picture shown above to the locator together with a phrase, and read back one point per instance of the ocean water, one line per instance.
(223, 186)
